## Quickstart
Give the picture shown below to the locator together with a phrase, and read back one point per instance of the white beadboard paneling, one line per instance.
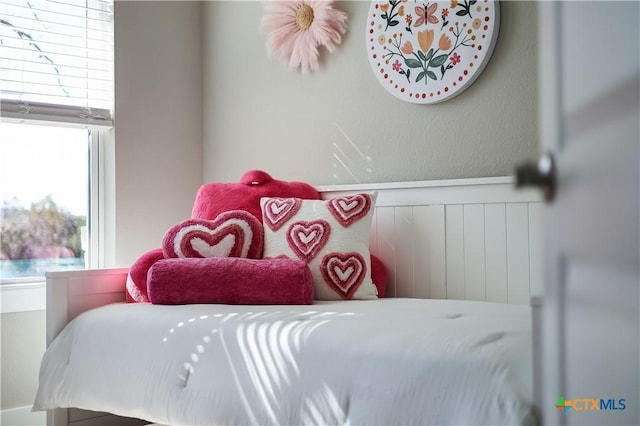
(422, 254)
(373, 235)
(452, 191)
(474, 252)
(535, 248)
(430, 267)
(496, 252)
(405, 235)
(454, 228)
(518, 253)
(437, 244)
(385, 219)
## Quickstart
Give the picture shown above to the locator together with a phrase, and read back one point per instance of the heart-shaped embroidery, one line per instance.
(232, 234)
(306, 239)
(277, 211)
(222, 244)
(343, 272)
(349, 209)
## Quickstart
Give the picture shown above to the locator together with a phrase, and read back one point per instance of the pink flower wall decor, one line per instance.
(296, 29)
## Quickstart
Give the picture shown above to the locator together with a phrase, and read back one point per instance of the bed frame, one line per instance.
(469, 239)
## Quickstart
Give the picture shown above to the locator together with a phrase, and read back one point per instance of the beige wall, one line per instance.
(158, 121)
(340, 126)
(22, 345)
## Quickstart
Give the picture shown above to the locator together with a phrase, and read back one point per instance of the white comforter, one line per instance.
(391, 361)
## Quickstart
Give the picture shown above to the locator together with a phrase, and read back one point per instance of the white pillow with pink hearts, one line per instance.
(332, 236)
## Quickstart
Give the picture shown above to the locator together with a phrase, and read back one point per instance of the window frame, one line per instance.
(23, 294)
(28, 293)
(97, 139)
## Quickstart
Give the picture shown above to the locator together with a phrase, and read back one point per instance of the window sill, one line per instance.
(23, 297)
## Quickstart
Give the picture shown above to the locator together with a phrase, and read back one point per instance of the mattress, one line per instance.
(389, 361)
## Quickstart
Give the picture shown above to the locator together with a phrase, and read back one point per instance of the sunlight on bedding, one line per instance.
(269, 343)
(355, 362)
(323, 408)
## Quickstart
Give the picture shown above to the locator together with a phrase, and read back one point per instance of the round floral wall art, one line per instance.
(296, 29)
(428, 52)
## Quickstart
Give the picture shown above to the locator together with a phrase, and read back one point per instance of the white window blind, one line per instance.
(57, 60)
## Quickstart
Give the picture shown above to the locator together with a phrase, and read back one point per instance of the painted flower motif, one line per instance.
(296, 29)
(407, 48)
(426, 14)
(444, 43)
(384, 7)
(425, 39)
(427, 45)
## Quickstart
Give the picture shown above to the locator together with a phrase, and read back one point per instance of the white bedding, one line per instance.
(390, 361)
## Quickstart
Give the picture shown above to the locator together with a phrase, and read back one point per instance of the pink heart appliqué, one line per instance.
(231, 234)
(349, 209)
(343, 272)
(306, 239)
(277, 211)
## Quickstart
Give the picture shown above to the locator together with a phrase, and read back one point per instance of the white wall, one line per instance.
(257, 115)
(22, 344)
(158, 122)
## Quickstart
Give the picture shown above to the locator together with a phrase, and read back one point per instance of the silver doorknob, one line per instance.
(541, 175)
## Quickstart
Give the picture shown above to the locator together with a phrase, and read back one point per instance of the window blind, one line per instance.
(57, 60)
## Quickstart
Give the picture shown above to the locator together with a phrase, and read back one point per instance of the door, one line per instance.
(589, 96)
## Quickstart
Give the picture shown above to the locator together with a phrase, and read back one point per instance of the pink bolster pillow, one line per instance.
(230, 280)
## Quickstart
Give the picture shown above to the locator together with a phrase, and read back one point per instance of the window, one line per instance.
(56, 97)
(44, 216)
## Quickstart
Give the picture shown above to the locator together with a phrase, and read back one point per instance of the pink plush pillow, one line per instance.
(379, 275)
(137, 278)
(217, 197)
(235, 233)
(214, 199)
(230, 280)
(331, 236)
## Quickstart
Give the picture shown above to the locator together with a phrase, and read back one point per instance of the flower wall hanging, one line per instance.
(296, 29)
(428, 52)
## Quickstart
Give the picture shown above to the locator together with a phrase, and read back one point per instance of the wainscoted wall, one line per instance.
(198, 100)
(339, 125)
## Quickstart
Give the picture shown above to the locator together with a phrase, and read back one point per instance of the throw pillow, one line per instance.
(331, 236)
(230, 280)
(235, 233)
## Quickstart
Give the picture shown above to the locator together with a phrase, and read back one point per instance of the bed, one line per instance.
(450, 344)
